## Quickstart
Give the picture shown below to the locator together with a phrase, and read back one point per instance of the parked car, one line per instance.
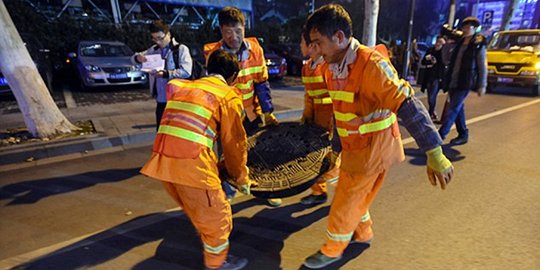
(513, 60)
(292, 54)
(40, 56)
(106, 63)
(277, 65)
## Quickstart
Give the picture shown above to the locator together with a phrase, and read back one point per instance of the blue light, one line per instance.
(3, 81)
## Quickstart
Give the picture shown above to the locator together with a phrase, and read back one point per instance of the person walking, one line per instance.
(198, 114)
(318, 110)
(169, 49)
(367, 97)
(252, 80)
(467, 71)
(433, 74)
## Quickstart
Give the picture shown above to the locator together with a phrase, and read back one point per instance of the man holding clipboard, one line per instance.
(160, 64)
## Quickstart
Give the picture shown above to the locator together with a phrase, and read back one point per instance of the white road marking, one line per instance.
(486, 116)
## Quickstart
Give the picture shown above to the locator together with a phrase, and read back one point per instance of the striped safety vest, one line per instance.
(252, 70)
(315, 85)
(358, 117)
(187, 126)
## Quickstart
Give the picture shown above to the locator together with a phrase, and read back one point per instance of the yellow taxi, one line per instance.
(514, 59)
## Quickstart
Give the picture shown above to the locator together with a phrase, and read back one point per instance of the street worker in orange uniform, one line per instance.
(197, 115)
(252, 81)
(368, 97)
(318, 110)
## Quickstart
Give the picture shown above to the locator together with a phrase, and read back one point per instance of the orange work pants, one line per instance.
(319, 187)
(211, 216)
(349, 213)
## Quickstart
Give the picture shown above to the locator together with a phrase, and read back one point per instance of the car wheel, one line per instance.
(82, 86)
(490, 88)
(536, 90)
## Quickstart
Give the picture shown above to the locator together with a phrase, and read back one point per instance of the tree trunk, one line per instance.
(371, 14)
(452, 13)
(41, 115)
(505, 25)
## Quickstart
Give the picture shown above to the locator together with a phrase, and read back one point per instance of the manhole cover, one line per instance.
(285, 160)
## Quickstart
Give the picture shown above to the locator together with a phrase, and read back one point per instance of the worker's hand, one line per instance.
(246, 188)
(481, 91)
(305, 120)
(268, 119)
(439, 168)
(141, 58)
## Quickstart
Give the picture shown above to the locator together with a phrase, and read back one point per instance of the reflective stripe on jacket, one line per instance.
(197, 114)
(253, 70)
(317, 101)
(365, 106)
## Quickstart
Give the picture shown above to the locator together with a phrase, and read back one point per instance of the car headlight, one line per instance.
(528, 73)
(537, 65)
(135, 67)
(269, 62)
(92, 68)
(491, 71)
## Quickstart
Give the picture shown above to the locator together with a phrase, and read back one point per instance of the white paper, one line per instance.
(153, 62)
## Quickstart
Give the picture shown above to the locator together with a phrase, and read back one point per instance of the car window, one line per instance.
(516, 41)
(105, 50)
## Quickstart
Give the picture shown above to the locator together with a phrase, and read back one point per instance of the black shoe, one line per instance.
(314, 199)
(232, 263)
(459, 140)
(319, 260)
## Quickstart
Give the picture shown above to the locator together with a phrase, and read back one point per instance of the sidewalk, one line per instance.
(118, 126)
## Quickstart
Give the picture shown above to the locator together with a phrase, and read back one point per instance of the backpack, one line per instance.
(198, 70)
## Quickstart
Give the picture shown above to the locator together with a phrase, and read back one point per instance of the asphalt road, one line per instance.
(97, 212)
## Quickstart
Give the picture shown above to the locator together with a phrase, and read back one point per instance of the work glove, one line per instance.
(481, 91)
(246, 188)
(439, 168)
(305, 120)
(268, 119)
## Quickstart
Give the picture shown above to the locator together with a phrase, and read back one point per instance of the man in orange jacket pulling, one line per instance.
(367, 98)
(318, 110)
(252, 80)
(197, 115)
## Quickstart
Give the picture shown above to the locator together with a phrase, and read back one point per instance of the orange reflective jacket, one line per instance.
(252, 70)
(317, 101)
(197, 114)
(365, 106)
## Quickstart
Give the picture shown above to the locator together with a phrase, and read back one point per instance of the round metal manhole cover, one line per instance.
(285, 159)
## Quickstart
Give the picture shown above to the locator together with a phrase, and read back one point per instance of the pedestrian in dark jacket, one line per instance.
(467, 71)
(433, 74)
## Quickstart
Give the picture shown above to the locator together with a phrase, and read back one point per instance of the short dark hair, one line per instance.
(471, 21)
(329, 19)
(305, 35)
(231, 16)
(223, 63)
(159, 26)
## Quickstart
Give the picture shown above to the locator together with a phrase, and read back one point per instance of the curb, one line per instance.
(32, 154)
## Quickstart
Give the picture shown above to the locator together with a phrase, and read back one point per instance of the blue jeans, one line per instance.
(455, 114)
(433, 91)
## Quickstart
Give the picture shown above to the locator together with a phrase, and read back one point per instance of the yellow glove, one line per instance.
(305, 120)
(268, 119)
(246, 188)
(439, 168)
